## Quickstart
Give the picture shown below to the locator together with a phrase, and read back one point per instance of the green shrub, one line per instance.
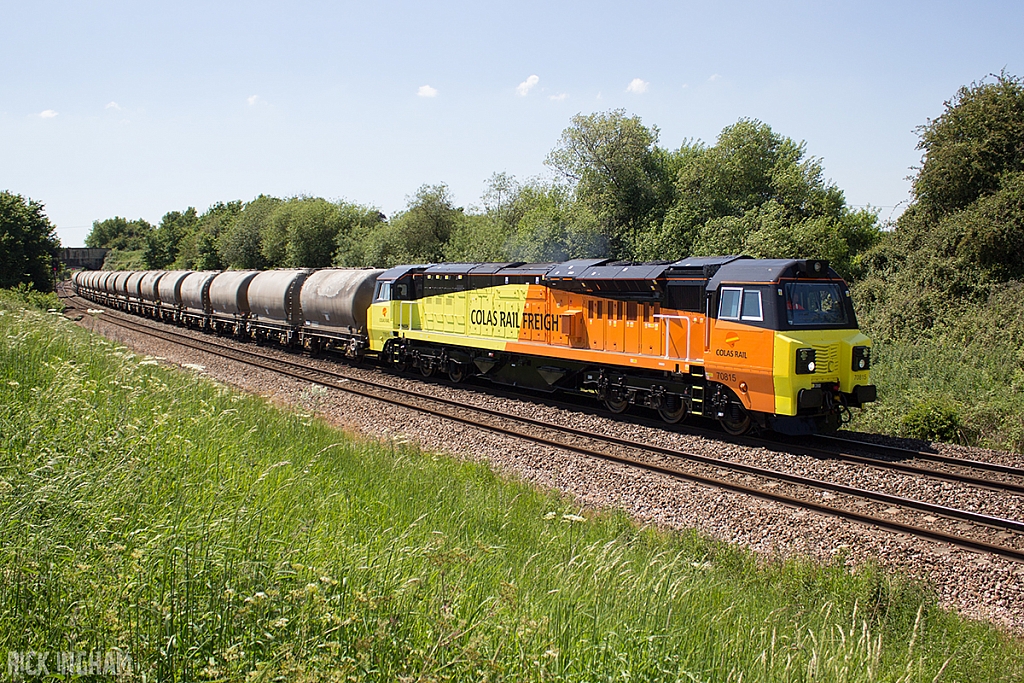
(45, 301)
(933, 420)
(133, 259)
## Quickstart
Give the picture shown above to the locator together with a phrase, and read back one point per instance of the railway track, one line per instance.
(977, 532)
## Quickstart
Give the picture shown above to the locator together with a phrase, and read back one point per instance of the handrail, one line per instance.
(687, 358)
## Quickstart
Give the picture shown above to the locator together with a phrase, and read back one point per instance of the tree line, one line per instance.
(614, 193)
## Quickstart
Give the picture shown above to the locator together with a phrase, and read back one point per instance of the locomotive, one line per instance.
(771, 344)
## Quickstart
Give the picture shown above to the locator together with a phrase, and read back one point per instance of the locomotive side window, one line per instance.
(736, 303)
(729, 303)
(814, 303)
(383, 291)
(751, 305)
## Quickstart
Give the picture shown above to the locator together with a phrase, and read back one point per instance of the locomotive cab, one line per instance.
(783, 340)
(394, 308)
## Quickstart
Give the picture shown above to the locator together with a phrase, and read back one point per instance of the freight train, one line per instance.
(751, 343)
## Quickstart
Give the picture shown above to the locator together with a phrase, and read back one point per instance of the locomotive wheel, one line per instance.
(736, 420)
(616, 404)
(672, 409)
(456, 371)
(427, 369)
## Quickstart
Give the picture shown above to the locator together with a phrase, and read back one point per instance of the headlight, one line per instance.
(861, 358)
(804, 361)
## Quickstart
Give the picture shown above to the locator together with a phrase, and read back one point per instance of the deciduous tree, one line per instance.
(28, 243)
(119, 233)
(616, 170)
(977, 139)
(164, 242)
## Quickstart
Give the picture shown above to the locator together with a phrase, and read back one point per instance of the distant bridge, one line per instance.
(82, 257)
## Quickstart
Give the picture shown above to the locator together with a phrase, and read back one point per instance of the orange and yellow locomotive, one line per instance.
(772, 343)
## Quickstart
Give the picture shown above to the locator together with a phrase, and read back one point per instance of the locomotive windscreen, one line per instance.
(815, 303)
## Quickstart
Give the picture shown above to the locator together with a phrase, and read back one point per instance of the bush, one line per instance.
(44, 301)
(119, 259)
(933, 420)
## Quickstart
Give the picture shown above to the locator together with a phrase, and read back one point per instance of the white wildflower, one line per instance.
(573, 518)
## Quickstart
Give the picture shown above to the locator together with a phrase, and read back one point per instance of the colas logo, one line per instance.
(731, 353)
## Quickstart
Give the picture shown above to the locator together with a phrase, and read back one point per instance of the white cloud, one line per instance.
(524, 88)
(714, 77)
(637, 85)
(252, 99)
(48, 114)
(685, 86)
(559, 97)
(113, 105)
(427, 91)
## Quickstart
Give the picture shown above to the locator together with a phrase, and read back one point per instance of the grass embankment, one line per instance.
(212, 536)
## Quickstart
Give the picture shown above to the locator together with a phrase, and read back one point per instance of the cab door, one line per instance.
(742, 347)
(380, 317)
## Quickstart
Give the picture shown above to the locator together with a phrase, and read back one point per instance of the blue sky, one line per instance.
(139, 108)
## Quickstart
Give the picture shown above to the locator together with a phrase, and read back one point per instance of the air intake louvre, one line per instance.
(826, 359)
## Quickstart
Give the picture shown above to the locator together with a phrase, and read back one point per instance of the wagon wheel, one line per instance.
(615, 403)
(456, 371)
(736, 420)
(672, 409)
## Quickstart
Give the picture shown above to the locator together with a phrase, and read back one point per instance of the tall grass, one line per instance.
(214, 537)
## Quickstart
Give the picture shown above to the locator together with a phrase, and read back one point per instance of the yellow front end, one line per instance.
(833, 364)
